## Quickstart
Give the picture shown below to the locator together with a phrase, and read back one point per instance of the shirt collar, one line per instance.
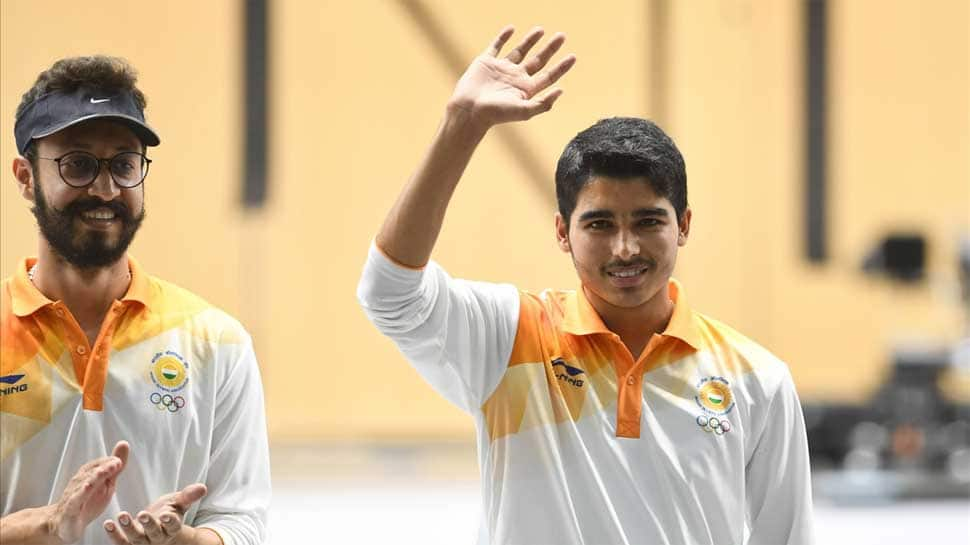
(26, 299)
(580, 318)
(139, 291)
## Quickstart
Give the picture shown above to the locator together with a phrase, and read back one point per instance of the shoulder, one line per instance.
(549, 302)
(174, 306)
(6, 301)
(741, 356)
(539, 323)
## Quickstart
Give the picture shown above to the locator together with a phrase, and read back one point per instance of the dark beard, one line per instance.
(84, 249)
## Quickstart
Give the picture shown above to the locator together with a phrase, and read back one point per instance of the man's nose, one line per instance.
(104, 186)
(626, 245)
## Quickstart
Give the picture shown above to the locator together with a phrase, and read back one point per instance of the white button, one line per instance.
(630, 381)
(81, 350)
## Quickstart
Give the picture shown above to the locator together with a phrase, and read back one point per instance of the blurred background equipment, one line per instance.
(898, 256)
(911, 439)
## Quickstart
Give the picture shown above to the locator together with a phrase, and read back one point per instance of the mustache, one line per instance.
(81, 206)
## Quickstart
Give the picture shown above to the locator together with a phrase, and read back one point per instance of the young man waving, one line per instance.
(614, 414)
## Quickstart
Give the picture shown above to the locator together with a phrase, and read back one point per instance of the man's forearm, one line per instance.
(28, 527)
(412, 226)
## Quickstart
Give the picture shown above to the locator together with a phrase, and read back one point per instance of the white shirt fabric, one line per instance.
(556, 468)
(166, 349)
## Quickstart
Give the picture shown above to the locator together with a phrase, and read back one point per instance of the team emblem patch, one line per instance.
(715, 399)
(169, 371)
(714, 396)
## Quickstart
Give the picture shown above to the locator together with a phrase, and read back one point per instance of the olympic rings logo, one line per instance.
(714, 424)
(167, 402)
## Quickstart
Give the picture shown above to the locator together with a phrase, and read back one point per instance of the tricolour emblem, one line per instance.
(169, 371)
(715, 399)
(714, 395)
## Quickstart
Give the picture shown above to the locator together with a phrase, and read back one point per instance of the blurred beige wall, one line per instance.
(358, 89)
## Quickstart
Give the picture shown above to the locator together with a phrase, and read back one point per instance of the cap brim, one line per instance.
(144, 133)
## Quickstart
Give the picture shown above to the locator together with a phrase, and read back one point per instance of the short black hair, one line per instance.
(621, 147)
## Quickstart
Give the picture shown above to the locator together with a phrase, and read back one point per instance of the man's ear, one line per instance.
(23, 173)
(684, 227)
(562, 233)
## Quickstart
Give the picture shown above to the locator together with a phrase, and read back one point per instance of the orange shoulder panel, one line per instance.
(534, 335)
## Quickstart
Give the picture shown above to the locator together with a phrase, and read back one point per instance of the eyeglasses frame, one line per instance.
(101, 161)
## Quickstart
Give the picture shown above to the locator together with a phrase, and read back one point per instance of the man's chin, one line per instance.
(632, 297)
(93, 252)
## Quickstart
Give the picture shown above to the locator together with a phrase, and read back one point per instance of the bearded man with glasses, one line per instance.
(96, 355)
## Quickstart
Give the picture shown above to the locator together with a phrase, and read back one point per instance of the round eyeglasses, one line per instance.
(80, 169)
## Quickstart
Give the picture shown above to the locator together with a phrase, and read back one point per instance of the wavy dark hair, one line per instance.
(621, 147)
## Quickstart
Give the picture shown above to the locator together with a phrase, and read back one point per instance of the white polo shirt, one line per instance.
(701, 441)
(169, 373)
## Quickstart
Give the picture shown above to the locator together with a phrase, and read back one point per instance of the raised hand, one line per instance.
(500, 89)
(87, 494)
(158, 524)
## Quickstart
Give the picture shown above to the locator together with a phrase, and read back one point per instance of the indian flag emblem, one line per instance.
(714, 395)
(169, 371)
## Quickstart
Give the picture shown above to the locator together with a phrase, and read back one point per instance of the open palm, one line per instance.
(497, 90)
(87, 494)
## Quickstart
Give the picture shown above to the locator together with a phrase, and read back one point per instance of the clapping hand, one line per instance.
(158, 524)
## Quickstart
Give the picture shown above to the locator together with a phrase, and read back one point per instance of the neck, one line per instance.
(87, 293)
(635, 325)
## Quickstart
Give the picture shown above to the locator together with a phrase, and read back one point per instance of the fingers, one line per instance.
(147, 528)
(521, 50)
(115, 534)
(171, 523)
(187, 496)
(546, 78)
(121, 452)
(544, 104)
(88, 481)
(496, 46)
(540, 59)
(130, 529)
(152, 527)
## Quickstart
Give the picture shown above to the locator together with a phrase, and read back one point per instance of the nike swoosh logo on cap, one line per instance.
(99, 100)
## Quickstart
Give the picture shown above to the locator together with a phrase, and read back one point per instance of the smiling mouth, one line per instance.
(99, 215)
(628, 273)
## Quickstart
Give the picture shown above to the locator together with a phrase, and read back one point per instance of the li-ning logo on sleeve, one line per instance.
(14, 388)
(568, 374)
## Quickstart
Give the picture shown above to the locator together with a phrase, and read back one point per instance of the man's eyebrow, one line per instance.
(649, 212)
(76, 144)
(600, 214)
(85, 145)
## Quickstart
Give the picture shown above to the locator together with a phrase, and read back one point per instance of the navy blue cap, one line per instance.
(59, 110)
